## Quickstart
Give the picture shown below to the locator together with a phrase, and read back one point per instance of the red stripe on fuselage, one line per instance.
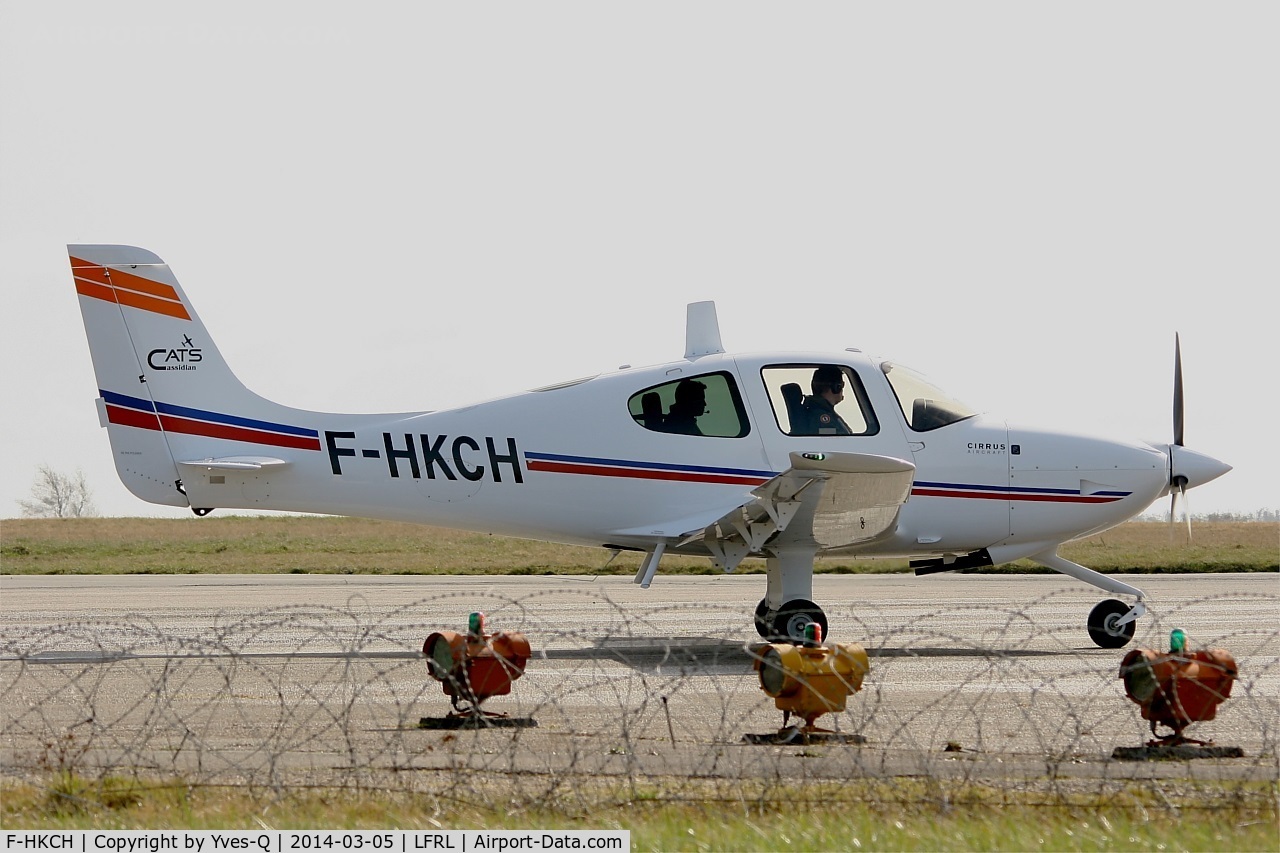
(132, 418)
(642, 474)
(234, 433)
(148, 420)
(1006, 496)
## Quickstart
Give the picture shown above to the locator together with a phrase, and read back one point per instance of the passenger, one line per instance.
(690, 404)
(821, 417)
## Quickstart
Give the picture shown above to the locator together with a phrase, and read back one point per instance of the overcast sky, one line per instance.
(404, 206)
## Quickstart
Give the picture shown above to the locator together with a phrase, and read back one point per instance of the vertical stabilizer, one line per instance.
(165, 394)
(113, 281)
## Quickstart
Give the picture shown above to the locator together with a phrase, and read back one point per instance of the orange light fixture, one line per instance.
(1178, 688)
(476, 665)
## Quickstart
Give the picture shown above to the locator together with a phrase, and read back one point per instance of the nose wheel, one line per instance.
(1108, 626)
(787, 623)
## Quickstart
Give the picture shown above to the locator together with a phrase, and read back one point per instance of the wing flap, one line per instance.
(823, 501)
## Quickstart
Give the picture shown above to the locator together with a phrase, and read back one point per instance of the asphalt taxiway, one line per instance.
(237, 676)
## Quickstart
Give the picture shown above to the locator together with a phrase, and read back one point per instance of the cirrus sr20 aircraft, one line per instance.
(780, 455)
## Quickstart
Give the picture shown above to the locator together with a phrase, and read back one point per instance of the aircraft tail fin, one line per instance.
(166, 396)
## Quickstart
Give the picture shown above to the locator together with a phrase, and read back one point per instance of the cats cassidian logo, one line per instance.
(184, 357)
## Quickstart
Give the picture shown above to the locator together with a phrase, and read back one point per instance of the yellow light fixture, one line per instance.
(813, 678)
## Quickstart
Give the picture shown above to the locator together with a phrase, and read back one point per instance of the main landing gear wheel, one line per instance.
(762, 619)
(1103, 629)
(787, 625)
(793, 615)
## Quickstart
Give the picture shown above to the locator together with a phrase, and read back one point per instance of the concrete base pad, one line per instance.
(794, 735)
(477, 722)
(1180, 752)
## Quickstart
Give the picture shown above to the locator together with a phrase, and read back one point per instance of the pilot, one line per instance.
(690, 404)
(821, 417)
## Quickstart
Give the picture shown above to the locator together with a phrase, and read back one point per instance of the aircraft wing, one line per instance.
(823, 501)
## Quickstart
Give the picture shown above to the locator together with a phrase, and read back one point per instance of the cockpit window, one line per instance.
(924, 405)
(698, 405)
(819, 399)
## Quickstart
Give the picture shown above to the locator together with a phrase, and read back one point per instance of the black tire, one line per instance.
(762, 619)
(793, 615)
(1102, 628)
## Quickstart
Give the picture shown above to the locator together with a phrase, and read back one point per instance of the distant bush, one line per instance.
(1271, 515)
(58, 495)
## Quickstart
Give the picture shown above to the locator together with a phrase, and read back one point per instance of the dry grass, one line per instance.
(1221, 546)
(308, 544)
(909, 815)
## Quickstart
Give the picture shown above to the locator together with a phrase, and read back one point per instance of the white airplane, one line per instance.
(781, 455)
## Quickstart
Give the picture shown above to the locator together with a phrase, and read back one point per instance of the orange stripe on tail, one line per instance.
(150, 303)
(96, 281)
(129, 281)
(97, 291)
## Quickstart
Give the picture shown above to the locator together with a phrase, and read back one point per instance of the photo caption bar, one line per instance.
(324, 841)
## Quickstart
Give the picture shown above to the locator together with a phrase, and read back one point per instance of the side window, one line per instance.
(699, 405)
(819, 399)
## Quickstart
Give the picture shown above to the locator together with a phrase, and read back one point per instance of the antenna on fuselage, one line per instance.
(702, 330)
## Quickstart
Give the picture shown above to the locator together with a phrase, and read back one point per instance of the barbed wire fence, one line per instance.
(622, 706)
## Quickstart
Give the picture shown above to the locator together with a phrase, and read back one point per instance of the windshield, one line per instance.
(924, 405)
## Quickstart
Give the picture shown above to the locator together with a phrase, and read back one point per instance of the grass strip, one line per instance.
(859, 814)
(329, 545)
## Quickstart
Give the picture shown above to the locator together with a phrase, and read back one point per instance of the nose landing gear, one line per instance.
(1112, 623)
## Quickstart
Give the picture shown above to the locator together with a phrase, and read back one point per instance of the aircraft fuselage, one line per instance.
(572, 463)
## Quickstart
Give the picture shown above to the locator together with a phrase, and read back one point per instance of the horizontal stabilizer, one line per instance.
(236, 463)
(673, 529)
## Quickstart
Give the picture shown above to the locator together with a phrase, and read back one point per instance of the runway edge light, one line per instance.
(475, 666)
(810, 679)
(1178, 688)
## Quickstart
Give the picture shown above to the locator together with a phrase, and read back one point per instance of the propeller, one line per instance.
(1177, 482)
(1177, 391)
(1180, 496)
(1187, 468)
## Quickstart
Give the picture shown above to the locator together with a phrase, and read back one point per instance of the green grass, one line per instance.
(862, 814)
(325, 545)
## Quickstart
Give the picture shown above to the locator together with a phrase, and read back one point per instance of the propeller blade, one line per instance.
(1177, 390)
(1178, 495)
(1186, 510)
